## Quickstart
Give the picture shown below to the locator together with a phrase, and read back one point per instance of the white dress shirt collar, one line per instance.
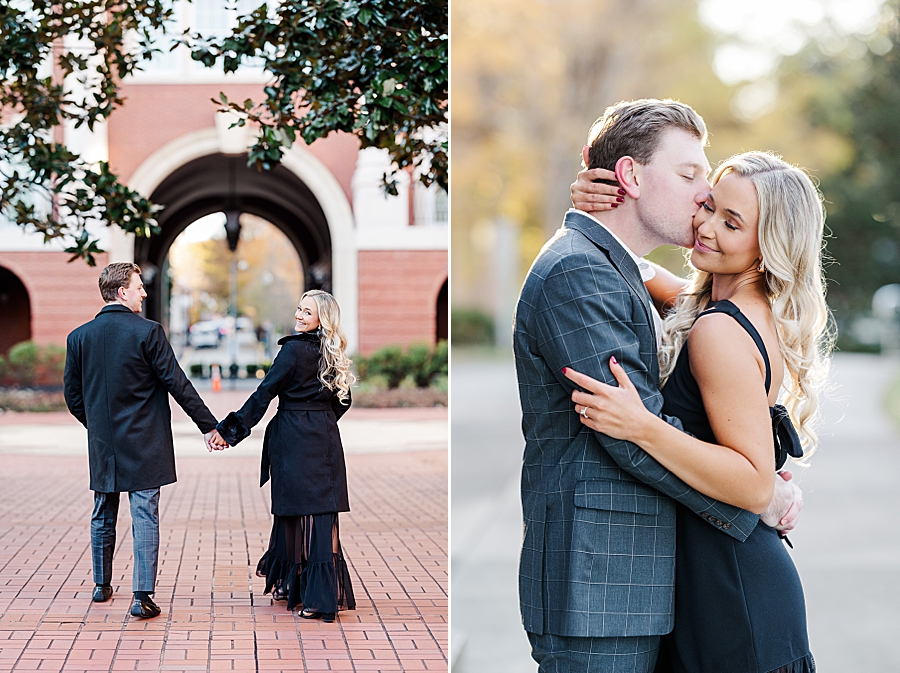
(646, 269)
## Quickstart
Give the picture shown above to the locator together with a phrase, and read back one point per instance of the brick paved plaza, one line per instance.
(215, 524)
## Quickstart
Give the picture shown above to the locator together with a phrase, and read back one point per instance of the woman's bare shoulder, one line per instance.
(722, 350)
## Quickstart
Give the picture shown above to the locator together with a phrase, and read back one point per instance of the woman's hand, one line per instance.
(589, 196)
(614, 411)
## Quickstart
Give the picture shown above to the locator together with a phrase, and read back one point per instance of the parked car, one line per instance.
(205, 334)
(246, 332)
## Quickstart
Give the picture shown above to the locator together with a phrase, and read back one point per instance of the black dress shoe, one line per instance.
(102, 593)
(144, 608)
(324, 616)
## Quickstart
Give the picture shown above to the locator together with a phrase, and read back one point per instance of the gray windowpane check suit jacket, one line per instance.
(598, 554)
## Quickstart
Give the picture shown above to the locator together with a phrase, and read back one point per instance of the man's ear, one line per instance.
(627, 174)
(586, 155)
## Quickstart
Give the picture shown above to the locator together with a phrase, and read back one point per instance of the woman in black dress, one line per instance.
(302, 453)
(750, 323)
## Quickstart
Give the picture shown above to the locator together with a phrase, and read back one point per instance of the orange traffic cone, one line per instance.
(216, 379)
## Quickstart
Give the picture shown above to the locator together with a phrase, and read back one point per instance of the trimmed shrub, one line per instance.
(23, 360)
(391, 363)
(421, 362)
(427, 363)
(442, 359)
(51, 365)
(471, 327)
(28, 364)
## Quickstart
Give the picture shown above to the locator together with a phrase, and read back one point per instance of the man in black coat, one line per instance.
(120, 369)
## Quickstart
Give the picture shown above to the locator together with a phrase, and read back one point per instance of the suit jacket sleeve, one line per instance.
(586, 318)
(72, 386)
(167, 369)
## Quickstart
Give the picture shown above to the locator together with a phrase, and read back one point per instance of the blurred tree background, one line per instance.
(817, 81)
(269, 279)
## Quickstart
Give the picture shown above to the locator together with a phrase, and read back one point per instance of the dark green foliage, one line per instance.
(427, 363)
(23, 359)
(470, 327)
(421, 362)
(441, 358)
(29, 364)
(863, 200)
(391, 363)
(374, 68)
(41, 172)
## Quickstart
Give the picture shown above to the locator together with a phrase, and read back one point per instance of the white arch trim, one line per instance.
(310, 170)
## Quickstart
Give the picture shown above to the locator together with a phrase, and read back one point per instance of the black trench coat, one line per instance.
(120, 370)
(302, 448)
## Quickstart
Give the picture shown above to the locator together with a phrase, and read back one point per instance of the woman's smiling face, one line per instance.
(726, 228)
(307, 315)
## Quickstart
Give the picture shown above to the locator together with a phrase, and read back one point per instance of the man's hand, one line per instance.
(214, 441)
(787, 501)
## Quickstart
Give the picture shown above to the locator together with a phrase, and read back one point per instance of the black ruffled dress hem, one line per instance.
(305, 565)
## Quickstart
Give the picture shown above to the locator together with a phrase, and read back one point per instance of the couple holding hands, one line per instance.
(120, 370)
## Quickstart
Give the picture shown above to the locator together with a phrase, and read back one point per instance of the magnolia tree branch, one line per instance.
(375, 69)
(46, 187)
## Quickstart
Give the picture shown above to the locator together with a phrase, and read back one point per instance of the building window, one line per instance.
(213, 19)
(429, 205)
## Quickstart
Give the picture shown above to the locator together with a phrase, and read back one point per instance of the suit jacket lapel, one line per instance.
(619, 257)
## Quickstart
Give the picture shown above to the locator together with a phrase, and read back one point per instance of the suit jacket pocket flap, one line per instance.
(617, 496)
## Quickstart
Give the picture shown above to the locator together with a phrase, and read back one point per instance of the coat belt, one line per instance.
(304, 406)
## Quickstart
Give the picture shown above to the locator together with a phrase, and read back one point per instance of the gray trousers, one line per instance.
(570, 654)
(144, 530)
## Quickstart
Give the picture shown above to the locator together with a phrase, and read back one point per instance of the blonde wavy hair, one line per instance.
(334, 365)
(791, 223)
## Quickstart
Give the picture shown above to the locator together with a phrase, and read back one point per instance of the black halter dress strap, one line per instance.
(787, 441)
(725, 306)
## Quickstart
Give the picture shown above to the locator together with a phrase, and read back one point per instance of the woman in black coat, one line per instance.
(302, 453)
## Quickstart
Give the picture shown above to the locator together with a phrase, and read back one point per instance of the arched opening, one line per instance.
(229, 307)
(217, 183)
(15, 307)
(442, 316)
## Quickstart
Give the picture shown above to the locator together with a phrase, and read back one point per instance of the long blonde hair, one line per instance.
(791, 222)
(334, 365)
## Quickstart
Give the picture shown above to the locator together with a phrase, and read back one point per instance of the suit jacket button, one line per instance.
(726, 525)
(719, 522)
(704, 515)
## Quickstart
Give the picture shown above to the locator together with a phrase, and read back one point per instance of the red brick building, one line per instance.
(384, 258)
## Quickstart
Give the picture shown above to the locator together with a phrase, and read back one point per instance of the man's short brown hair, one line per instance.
(633, 129)
(114, 276)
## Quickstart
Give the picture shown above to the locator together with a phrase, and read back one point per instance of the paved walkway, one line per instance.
(215, 525)
(846, 547)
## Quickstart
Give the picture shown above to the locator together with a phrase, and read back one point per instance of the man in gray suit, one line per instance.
(120, 370)
(596, 576)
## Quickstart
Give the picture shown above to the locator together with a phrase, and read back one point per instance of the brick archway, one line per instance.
(337, 236)
(442, 315)
(216, 183)
(15, 307)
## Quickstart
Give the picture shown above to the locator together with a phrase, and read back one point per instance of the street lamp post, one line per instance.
(233, 234)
